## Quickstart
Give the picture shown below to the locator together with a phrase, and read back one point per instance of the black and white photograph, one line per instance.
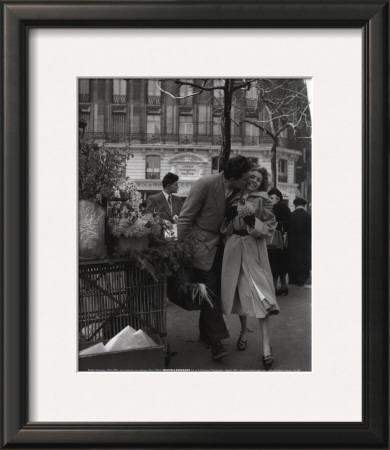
(176, 268)
(195, 224)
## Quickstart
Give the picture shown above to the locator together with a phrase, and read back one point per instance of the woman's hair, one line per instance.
(275, 191)
(264, 184)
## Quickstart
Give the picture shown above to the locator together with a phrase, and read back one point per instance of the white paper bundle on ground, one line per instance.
(97, 348)
(121, 341)
(127, 339)
(142, 339)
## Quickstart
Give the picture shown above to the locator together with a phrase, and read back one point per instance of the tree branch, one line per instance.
(258, 126)
(198, 86)
(177, 97)
(242, 85)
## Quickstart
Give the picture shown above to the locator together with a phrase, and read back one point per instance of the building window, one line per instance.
(251, 98)
(217, 137)
(153, 125)
(252, 92)
(234, 129)
(152, 167)
(263, 118)
(203, 115)
(84, 96)
(218, 93)
(215, 164)
(251, 134)
(169, 119)
(282, 171)
(154, 93)
(186, 126)
(119, 91)
(123, 167)
(185, 91)
(216, 126)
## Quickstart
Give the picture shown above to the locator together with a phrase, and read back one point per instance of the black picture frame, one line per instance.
(17, 19)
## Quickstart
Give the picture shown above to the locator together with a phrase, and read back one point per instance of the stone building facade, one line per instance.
(180, 132)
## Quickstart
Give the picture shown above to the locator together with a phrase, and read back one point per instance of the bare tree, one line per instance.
(284, 105)
(224, 91)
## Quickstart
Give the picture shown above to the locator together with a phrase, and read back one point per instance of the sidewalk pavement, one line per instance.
(290, 338)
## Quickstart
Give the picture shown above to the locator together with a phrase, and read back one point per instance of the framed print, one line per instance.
(77, 72)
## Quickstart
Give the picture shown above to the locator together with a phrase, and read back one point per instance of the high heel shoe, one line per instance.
(241, 344)
(268, 361)
(282, 291)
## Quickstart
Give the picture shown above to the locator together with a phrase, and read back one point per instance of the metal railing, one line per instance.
(251, 103)
(154, 100)
(84, 98)
(119, 99)
(177, 139)
(282, 178)
(256, 140)
(188, 101)
(152, 175)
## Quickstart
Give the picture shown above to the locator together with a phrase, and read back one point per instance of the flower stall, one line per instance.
(115, 292)
(130, 262)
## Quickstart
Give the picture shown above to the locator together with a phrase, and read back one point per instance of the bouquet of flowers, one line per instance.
(174, 258)
(135, 225)
(126, 219)
(244, 208)
(124, 213)
(100, 172)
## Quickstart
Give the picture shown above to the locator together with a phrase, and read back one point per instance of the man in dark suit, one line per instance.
(299, 243)
(166, 204)
(203, 213)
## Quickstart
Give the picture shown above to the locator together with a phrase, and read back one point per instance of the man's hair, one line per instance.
(169, 178)
(236, 167)
(275, 191)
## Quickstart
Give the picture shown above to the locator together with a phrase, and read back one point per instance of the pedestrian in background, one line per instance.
(165, 203)
(264, 187)
(279, 257)
(299, 243)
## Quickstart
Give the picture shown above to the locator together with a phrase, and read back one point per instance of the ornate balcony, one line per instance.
(119, 99)
(154, 100)
(177, 139)
(185, 139)
(256, 141)
(282, 178)
(153, 138)
(84, 98)
(217, 140)
(188, 101)
(251, 103)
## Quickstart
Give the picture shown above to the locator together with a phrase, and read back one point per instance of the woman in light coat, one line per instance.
(247, 283)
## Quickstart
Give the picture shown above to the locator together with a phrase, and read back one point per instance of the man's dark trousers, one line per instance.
(212, 327)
